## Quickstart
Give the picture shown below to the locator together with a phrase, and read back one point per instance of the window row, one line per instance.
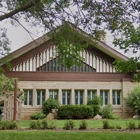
(67, 96)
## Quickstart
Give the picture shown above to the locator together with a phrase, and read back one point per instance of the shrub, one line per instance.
(96, 103)
(75, 112)
(33, 125)
(106, 124)
(118, 126)
(49, 104)
(44, 124)
(69, 125)
(138, 125)
(8, 125)
(133, 99)
(37, 116)
(83, 125)
(107, 112)
(39, 124)
(131, 125)
(52, 125)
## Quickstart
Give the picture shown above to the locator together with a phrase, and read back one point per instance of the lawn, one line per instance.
(91, 123)
(68, 135)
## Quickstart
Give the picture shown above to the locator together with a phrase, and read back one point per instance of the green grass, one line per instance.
(91, 123)
(68, 135)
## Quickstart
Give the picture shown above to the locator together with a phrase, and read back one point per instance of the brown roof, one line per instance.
(100, 45)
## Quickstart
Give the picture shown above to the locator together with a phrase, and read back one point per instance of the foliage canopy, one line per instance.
(133, 99)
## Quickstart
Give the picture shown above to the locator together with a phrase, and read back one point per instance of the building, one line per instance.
(41, 77)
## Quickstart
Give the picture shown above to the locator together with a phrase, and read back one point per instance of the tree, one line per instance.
(6, 84)
(130, 66)
(96, 104)
(133, 99)
(92, 16)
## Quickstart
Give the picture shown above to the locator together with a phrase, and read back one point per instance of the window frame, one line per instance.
(103, 96)
(27, 98)
(92, 93)
(116, 97)
(41, 92)
(79, 93)
(53, 93)
(66, 97)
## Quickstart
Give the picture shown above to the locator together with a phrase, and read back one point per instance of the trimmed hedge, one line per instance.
(75, 112)
(37, 116)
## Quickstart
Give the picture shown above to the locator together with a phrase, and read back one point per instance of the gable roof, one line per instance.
(100, 45)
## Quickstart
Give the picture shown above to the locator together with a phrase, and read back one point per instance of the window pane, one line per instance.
(76, 97)
(56, 95)
(113, 97)
(118, 98)
(68, 97)
(106, 98)
(30, 97)
(89, 95)
(38, 97)
(43, 96)
(81, 97)
(51, 94)
(25, 98)
(63, 98)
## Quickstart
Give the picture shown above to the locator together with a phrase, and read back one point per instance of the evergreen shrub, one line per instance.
(96, 103)
(75, 112)
(37, 116)
(49, 104)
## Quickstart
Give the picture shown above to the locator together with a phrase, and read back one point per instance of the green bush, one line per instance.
(49, 104)
(96, 103)
(52, 125)
(37, 116)
(44, 124)
(8, 125)
(75, 112)
(83, 125)
(131, 125)
(33, 125)
(133, 99)
(107, 112)
(118, 126)
(106, 124)
(39, 124)
(69, 125)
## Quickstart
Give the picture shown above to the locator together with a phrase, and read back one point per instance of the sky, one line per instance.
(19, 37)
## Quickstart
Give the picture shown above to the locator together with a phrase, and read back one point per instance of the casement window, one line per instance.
(104, 94)
(79, 97)
(40, 97)
(53, 94)
(116, 97)
(28, 97)
(66, 97)
(90, 94)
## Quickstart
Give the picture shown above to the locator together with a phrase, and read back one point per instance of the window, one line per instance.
(40, 97)
(90, 94)
(53, 94)
(65, 97)
(104, 96)
(116, 97)
(28, 97)
(79, 97)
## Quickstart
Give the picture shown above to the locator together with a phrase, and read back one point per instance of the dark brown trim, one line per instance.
(69, 76)
(30, 54)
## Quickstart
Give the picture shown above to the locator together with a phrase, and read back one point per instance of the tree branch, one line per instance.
(22, 8)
